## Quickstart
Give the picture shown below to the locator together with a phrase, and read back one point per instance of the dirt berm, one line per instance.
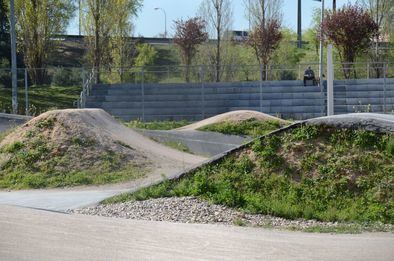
(233, 116)
(78, 139)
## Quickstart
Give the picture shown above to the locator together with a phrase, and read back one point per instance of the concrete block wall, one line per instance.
(287, 99)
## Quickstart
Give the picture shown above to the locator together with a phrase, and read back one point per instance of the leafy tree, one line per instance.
(265, 39)
(4, 32)
(107, 25)
(97, 27)
(122, 48)
(36, 23)
(146, 56)
(218, 15)
(350, 29)
(382, 12)
(189, 34)
(5, 48)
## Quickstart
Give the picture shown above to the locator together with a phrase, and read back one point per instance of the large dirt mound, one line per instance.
(71, 134)
(61, 142)
(233, 116)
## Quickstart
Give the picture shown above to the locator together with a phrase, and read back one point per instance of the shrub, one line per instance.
(67, 77)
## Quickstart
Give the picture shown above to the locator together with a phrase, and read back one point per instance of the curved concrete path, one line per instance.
(63, 199)
(28, 234)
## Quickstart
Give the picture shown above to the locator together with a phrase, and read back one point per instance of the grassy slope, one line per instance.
(39, 164)
(251, 127)
(157, 125)
(41, 98)
(310, 172)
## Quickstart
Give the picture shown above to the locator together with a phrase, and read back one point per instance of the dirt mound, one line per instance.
(63, 141)
(232, 116)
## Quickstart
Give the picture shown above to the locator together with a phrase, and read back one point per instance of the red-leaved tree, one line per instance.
(264, 39)
(351, 30)
(189, 34)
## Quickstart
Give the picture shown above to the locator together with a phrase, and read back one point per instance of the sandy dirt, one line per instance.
(59, 128)
(232, 116)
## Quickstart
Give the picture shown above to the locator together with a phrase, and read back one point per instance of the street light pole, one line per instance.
(321, 46)
(165, 20)
(299, 27)
(13, 60)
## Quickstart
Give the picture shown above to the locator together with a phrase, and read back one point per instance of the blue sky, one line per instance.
(150, 23)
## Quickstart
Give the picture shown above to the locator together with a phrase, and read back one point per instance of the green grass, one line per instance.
(41, 98)
(157, 125)
(309, 172)
(177, 145)
(251, 127)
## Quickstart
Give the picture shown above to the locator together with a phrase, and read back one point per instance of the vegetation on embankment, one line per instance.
(41, 98)
(59, 149)
(156, 125)
(309, 172)
(251, 127)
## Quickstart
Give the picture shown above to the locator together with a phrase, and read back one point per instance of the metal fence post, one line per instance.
(367, 70)
(26, 95)
(142, 95)
(202, 92)
(261, 88)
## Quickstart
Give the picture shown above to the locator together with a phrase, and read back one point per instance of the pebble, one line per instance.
(194, 210)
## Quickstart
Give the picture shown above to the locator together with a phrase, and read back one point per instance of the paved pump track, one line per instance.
(173, 163)
(28, 234)
(33, 234)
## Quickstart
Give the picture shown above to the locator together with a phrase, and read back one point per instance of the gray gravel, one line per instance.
(193, 210)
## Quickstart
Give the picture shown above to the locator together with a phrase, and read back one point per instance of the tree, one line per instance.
(4, 32)
(37, 22)
(218, 15)
(265, 39)
(350, 29)
(122, 50)
(265, 10)
(107, 25)
(97, 27)
(382, 11)
(146, 56)
(5, 45)
(189, 34)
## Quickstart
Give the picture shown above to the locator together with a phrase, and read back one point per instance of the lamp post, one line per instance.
(165, 20)
(321, 45)
(13, 60)
(299, 28)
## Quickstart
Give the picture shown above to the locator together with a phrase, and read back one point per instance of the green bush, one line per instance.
(67, 77)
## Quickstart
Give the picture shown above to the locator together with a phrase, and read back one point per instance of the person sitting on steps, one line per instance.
(309, 75)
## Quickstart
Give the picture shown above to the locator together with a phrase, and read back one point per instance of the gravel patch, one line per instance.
(194, 210)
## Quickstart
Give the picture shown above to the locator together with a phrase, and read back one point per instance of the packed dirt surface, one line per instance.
(232, 116)
(81, 138)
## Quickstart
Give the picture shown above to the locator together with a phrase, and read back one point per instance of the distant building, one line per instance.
(237, 36)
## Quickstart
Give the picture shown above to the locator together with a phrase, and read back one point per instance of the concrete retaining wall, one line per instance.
(287, 99)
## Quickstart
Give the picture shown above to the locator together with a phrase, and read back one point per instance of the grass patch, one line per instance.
(177, 145)
(309, 172)
(157, 125)
(251, 127)
(41, 98)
